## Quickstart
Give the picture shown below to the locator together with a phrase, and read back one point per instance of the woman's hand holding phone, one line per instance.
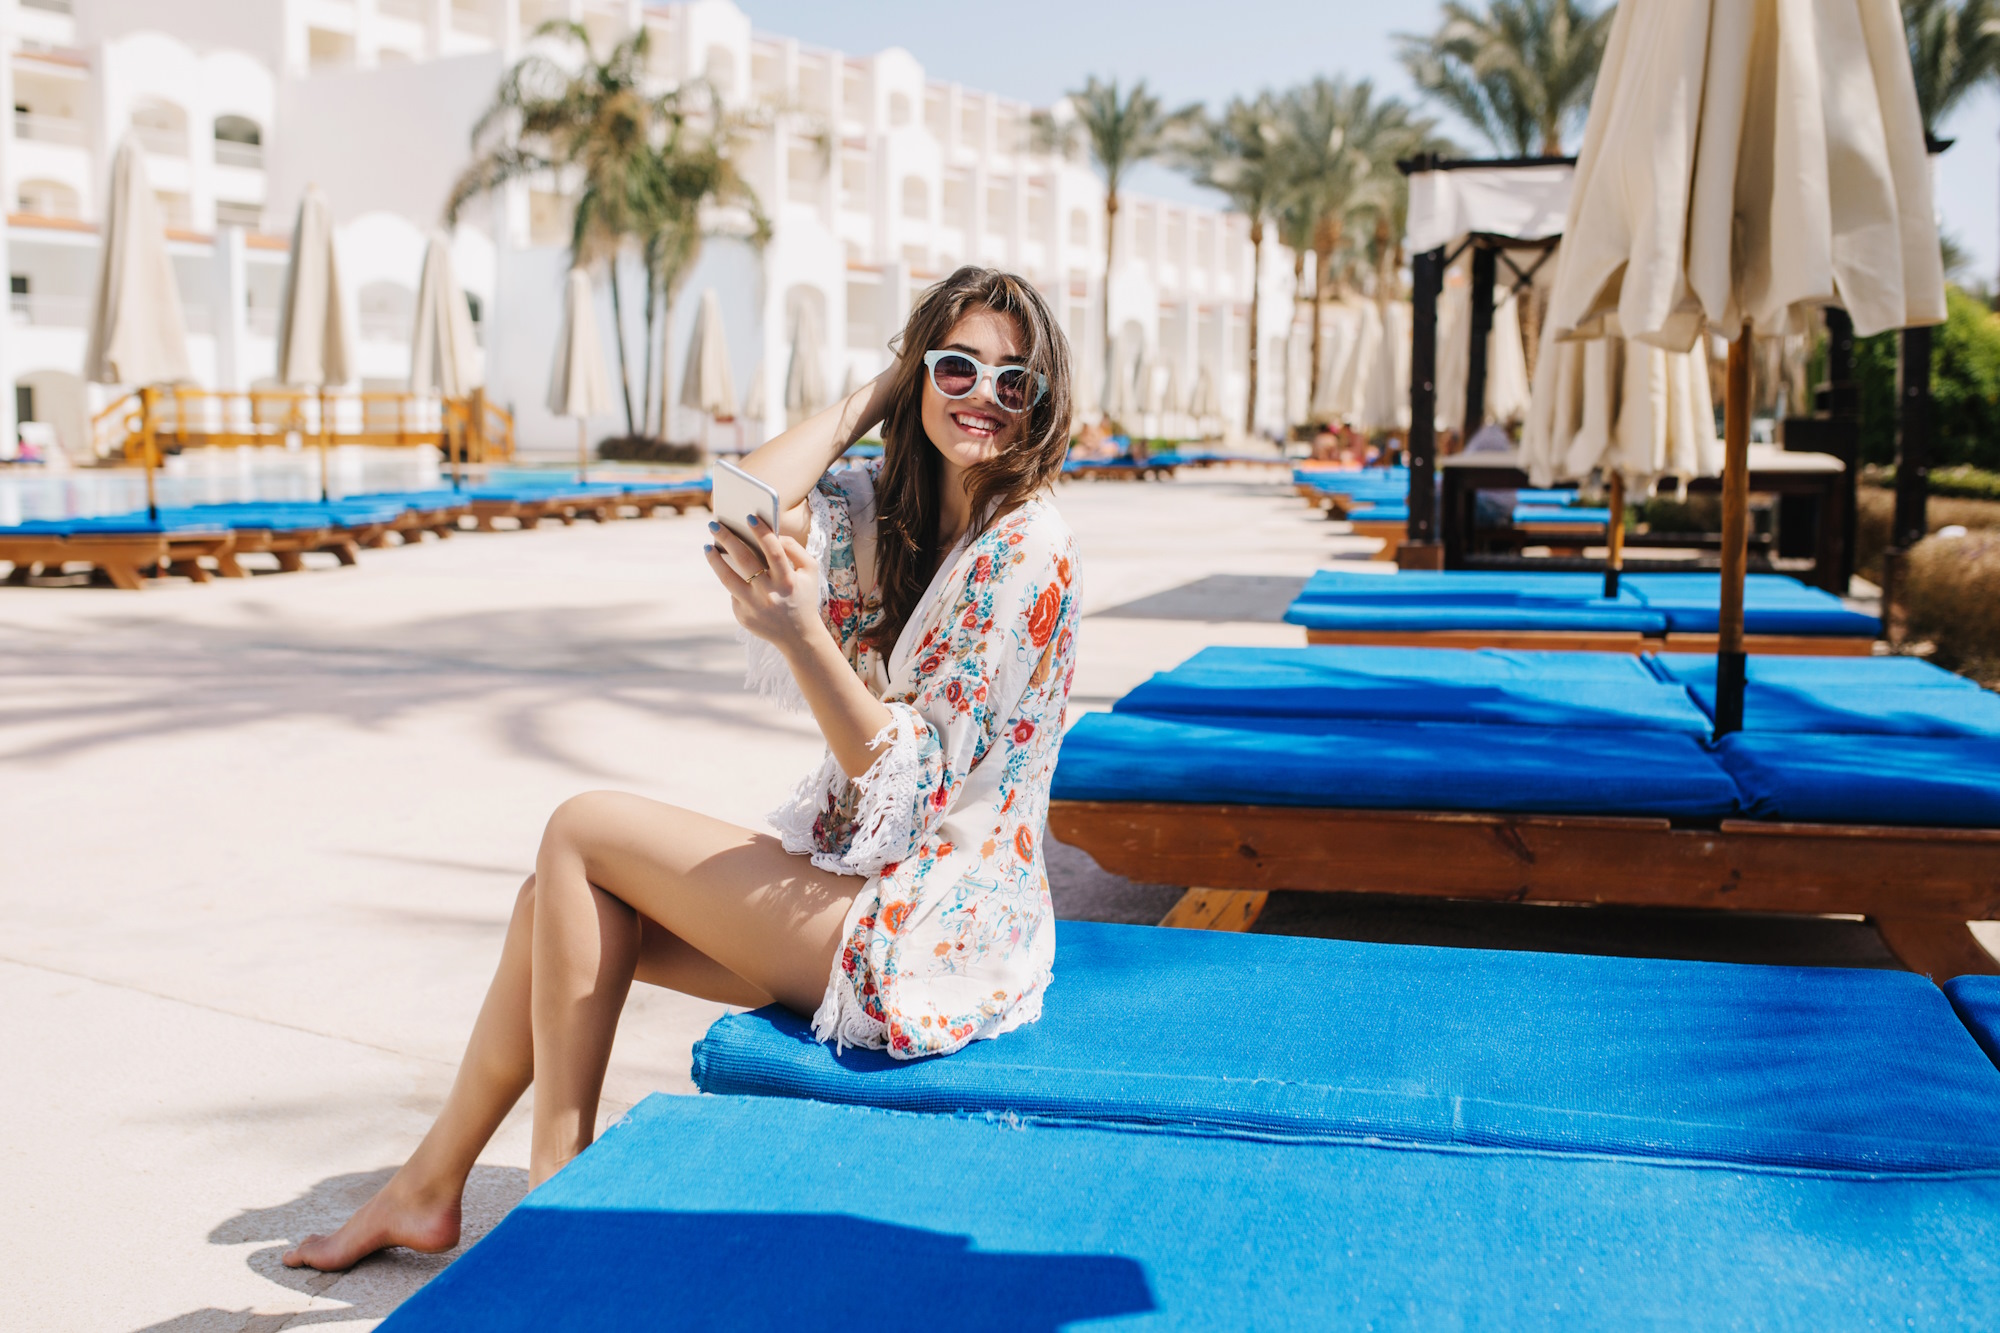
(778, 603)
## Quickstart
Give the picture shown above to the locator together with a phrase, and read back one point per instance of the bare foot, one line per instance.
(395, 1216)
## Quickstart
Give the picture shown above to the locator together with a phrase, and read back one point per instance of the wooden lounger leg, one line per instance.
(1939, 947)
(344, 552)
(1217, 909)
(289, 561)
(122, 573)
(189, 568)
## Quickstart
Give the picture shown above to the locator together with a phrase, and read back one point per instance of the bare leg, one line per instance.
(737, 892)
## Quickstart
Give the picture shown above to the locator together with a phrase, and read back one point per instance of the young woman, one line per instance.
(924, 610)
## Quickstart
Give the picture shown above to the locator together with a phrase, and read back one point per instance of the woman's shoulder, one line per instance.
(1035, 528)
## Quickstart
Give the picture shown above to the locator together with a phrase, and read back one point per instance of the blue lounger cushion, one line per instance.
(1807, 1068)
(1811, 673)
(1391, 766)
(1388, 616)
(1772, 604)
(1566, 514)
(1858, 710)
(1479, 588)
(745, 1215)
(1419, 685)
(1977, 1000)
(1929, 781)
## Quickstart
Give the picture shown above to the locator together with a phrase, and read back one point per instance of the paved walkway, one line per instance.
(261, 839)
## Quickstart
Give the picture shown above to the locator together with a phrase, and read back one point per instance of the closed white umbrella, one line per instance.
(579, 385)
(1202, 403)
(1337, 346)
(444, 356)
(1357, 368)
(753, 401)
(1385, 403)
(706, 384)
(315, 340)
(1745, 159)
(805, 377)
(137, 334)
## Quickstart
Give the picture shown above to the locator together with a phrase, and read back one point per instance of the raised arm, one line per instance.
(794, 461)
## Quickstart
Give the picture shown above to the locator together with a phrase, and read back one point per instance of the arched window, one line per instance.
(916, 198)
(161, 126)
(48, 199)
(239, 142)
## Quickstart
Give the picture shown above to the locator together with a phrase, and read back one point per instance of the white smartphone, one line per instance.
(733, 496)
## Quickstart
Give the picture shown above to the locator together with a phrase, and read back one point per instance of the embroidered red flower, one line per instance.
(1024, 842)
(1023, 730)
(894, 916)
(982, 569)
(954, 693)
(1062, 571)
(1042, 620)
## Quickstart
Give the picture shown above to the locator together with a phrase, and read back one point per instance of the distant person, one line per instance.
(923, 606)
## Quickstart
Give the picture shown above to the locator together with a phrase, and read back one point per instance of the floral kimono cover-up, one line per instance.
(952, 938)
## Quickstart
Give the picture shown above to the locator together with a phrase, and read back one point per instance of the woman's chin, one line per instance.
(966, 451)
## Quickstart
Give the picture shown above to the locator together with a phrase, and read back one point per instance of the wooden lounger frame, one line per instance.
(123, 558)
(1918, 886)
(1607, 641)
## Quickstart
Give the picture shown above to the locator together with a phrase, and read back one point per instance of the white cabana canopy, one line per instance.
(445, 358)
(1524, 201)
(137, 331)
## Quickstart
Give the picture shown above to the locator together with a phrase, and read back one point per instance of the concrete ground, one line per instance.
(261, 839)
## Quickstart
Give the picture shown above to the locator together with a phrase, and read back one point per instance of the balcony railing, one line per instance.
(48, 129)
(49, 311)
(51, 6)
(159, 139)
(229, 153)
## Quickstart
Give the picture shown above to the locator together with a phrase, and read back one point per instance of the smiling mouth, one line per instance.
(976, 424)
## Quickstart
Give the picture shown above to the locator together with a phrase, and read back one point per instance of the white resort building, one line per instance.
(875, 178)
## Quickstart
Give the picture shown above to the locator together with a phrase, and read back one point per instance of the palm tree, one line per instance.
(1120, 132)
(1954, 47)
(1520, 72)
(1243, 155)
(645, 164)
(1343, 145)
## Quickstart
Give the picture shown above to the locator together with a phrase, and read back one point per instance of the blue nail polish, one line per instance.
(753, 520)
(715, 527)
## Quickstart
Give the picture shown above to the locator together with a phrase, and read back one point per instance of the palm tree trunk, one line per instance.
(1110, 249)
(1323, 268)
(618, 336)
(646, 393)
(1256, 269)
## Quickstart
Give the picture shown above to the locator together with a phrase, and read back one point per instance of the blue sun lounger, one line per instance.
(1221, 1132)
(1534, 609)
(1461, 774)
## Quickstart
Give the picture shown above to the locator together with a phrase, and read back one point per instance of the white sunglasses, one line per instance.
(956, 375)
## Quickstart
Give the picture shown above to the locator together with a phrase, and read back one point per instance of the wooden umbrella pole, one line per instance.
(323, 496)
(1614, 559)
(1729, 658)
(147, 427)
(582, 450)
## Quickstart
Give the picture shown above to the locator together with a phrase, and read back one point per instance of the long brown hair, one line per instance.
(906, 496)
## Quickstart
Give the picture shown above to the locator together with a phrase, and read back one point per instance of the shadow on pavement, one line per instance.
(1216, 599)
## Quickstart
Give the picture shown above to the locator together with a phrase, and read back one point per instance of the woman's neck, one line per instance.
(954, 506)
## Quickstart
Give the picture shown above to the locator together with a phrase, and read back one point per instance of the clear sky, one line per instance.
(1210, 50)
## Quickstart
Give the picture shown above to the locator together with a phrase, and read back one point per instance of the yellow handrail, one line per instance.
(192, 418)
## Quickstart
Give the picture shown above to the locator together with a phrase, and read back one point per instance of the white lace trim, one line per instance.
(766, 673)
(885, 809)
(840, 1018)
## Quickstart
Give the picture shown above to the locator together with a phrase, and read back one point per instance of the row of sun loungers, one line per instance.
(1476, 609)
(1869, 787)
(203, 541)
(1225, 1131)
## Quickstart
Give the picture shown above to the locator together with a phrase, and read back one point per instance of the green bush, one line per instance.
(1965, 388)
(1963, 482)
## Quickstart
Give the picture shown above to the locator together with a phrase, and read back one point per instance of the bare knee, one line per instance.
(524, 901)
(572, 823)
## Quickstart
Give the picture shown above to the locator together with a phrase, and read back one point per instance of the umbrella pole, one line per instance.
(147, 426)
(1614, 559)
(322, 447)
(1729, 655)
(582, 451)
